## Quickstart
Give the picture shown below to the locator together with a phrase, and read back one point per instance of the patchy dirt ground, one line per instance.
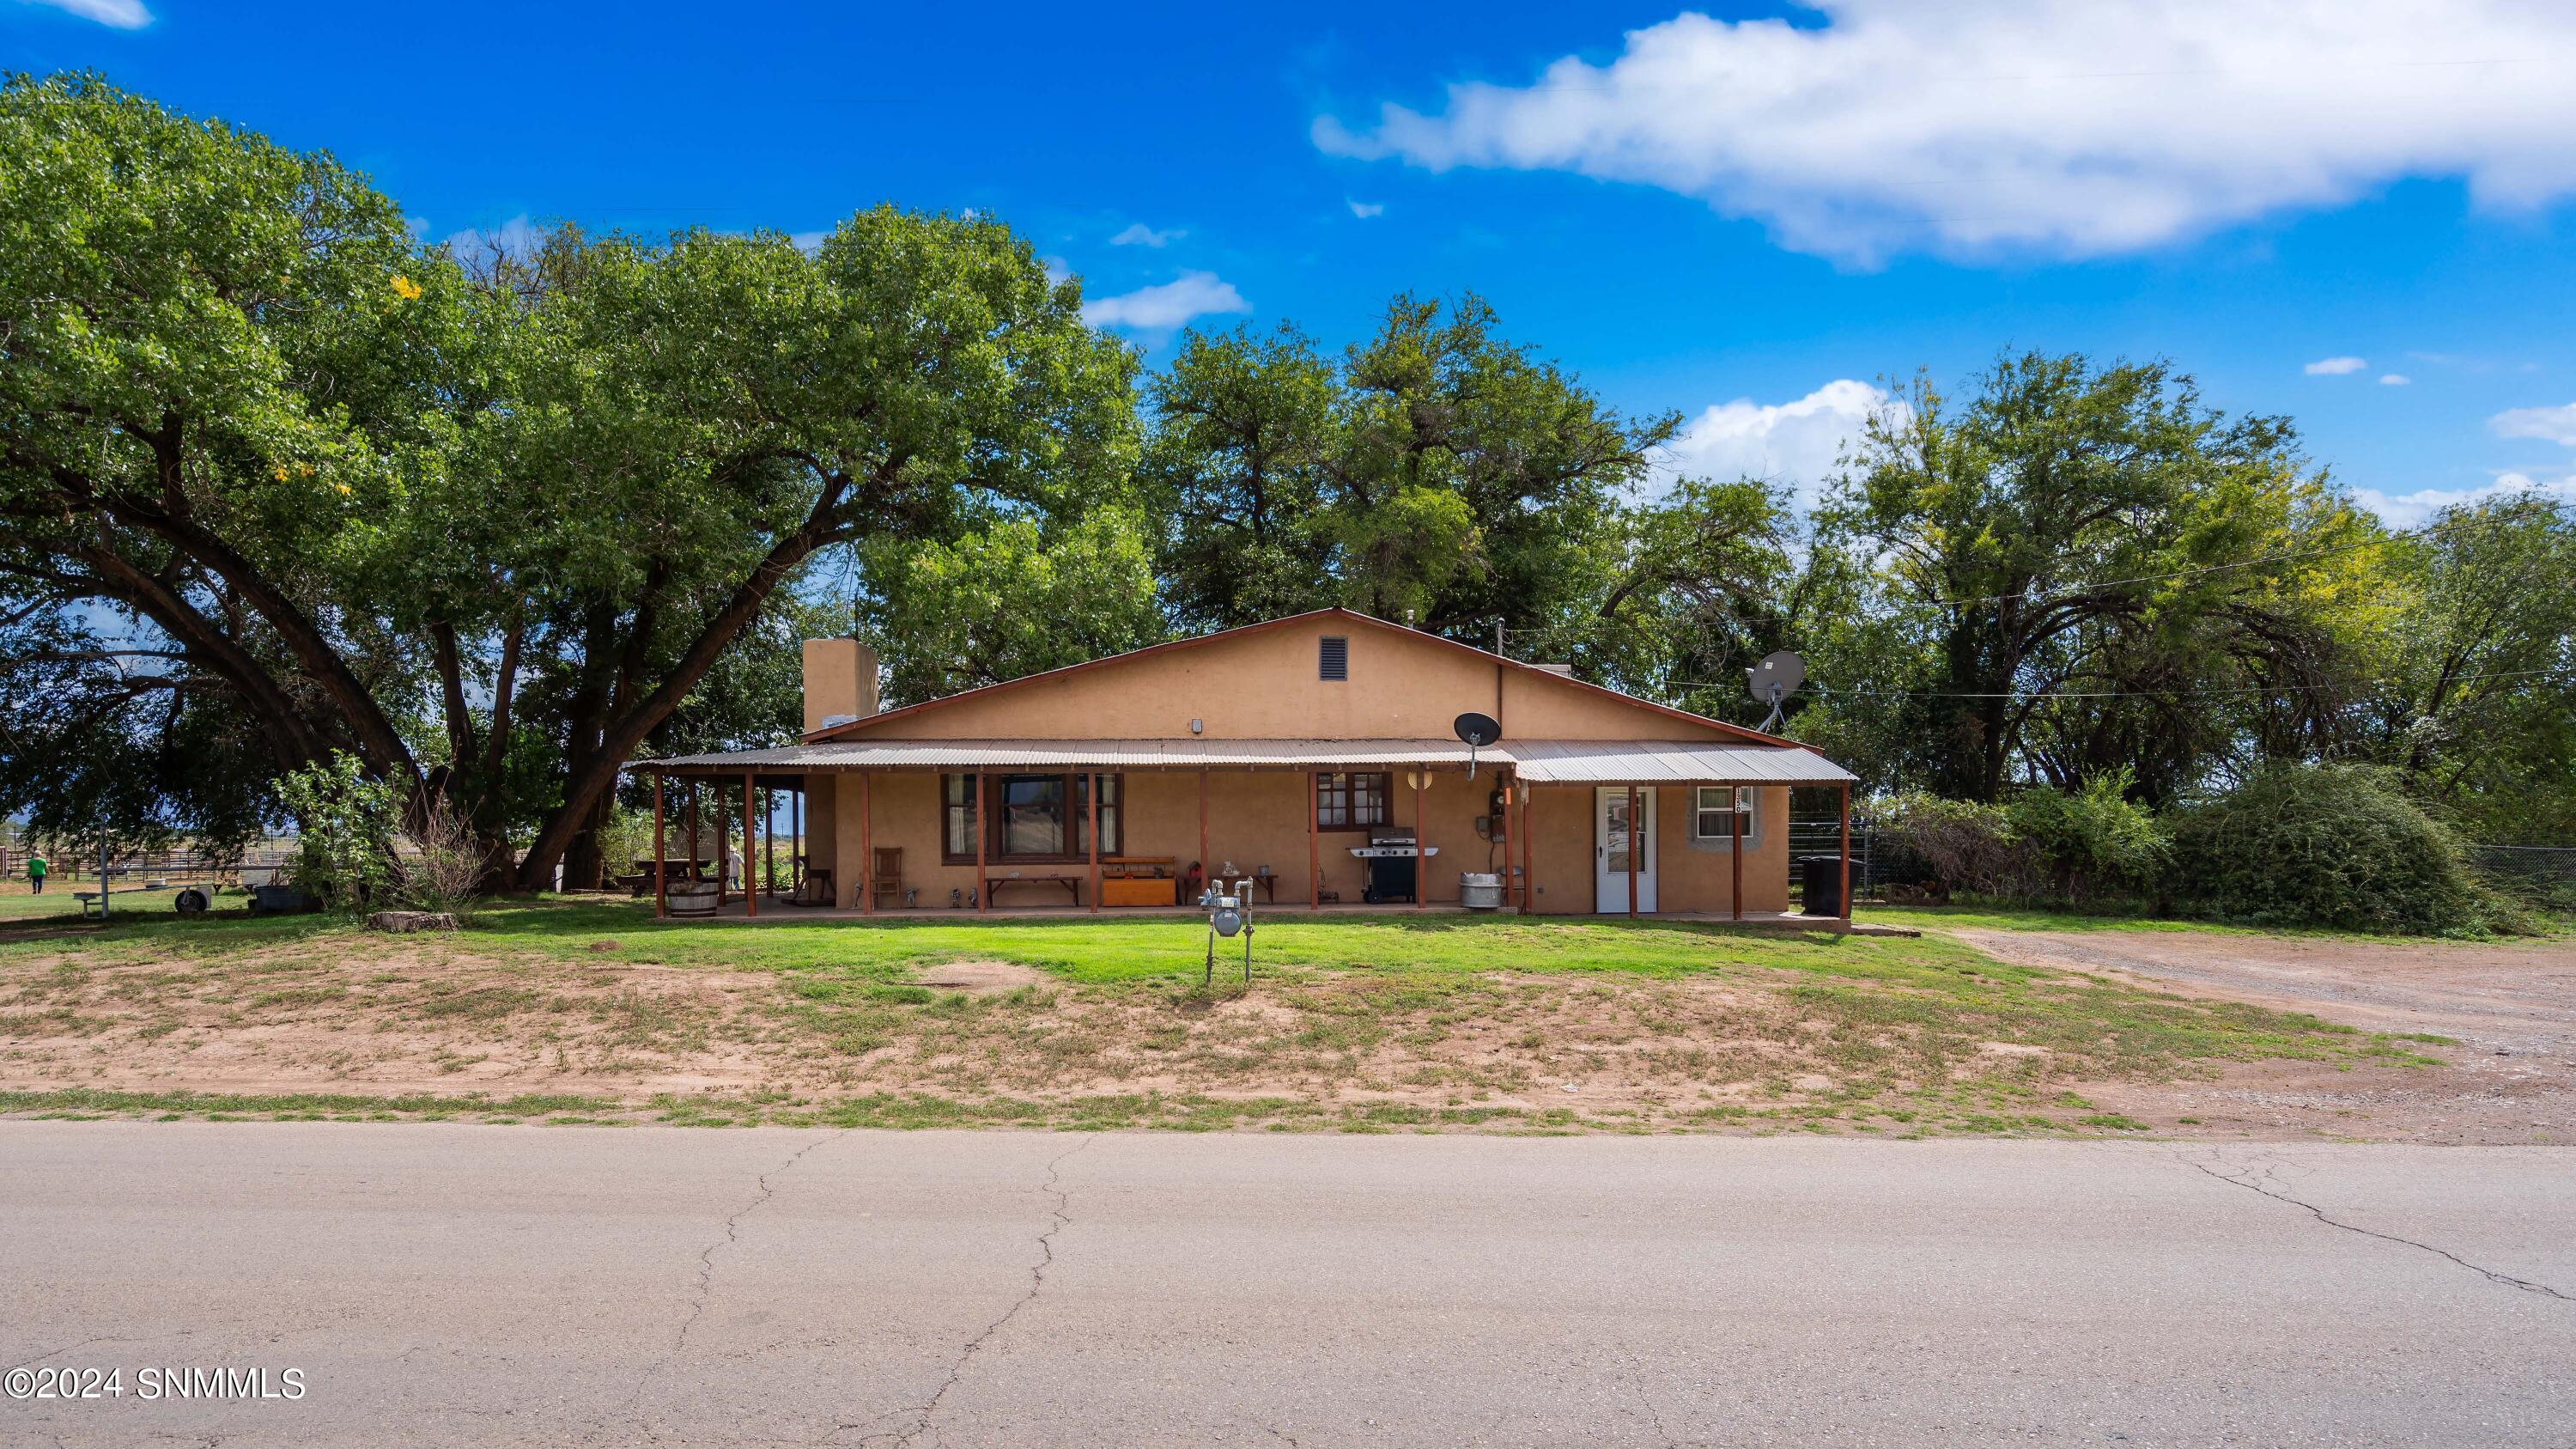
(2509, 1011)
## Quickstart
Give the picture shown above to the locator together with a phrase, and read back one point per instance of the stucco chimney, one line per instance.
(840, 682)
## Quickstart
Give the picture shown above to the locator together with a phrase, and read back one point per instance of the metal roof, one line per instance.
(1538, 761)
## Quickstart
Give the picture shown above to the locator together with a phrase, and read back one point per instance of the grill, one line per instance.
(1394, 867)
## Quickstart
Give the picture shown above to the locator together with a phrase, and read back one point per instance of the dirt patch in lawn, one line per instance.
(2501, 1017)
(1938, 1043)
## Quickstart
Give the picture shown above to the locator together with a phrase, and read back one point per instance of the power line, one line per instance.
(1866, 692)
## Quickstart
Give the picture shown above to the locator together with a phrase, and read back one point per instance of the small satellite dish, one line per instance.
(1478, 730)
(1772, 681)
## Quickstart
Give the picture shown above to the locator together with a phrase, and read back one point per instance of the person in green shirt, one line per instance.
(36, 871)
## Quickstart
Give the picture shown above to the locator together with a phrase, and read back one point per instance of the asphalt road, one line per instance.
(499, 1285)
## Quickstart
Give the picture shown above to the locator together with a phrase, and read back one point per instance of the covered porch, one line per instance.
(1011, 827)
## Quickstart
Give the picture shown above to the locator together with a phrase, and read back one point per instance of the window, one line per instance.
(1033, 818)
(1717, 807)
(1333, 658)
(1353, 802)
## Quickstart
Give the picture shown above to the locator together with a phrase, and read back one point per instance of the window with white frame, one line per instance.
(1718, 807)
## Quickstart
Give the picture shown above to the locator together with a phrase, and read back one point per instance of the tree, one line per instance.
(1015, 599)
(2078, 529)
(1438, 473)
(366, 500)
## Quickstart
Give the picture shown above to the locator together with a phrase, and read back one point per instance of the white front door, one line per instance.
(1610, 840)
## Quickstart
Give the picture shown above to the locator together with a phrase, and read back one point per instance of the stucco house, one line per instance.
(1315, 756)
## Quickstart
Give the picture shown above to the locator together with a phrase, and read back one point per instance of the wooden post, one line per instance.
(1632, 850)
(661, 856)
(1421, 862)
(1847, 900)
(796, 836)
(983, 891)
(867, 862)
(693, 831)
(1203, 783)
(750, 896)
(1095, 842)
(1314, 852)
(1735, 852)
(769, 843)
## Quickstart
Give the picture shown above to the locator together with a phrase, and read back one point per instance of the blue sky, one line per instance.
(1758, 211)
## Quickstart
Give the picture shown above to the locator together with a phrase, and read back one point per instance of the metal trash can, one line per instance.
(1823, 879)
(1480, 890)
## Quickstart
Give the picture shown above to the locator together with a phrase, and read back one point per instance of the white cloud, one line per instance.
(1795, 443)
(518, 237)
(1970, 127)
(2414, 510)
(2556, 425)
(1167, 305)
(122, 14)
(1057, 268)
(2334, 366)
(2394, 379)
(1138, 234)
(1365, 209)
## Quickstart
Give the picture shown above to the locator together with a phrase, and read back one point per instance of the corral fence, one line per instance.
(190, 867)
(2544, 869)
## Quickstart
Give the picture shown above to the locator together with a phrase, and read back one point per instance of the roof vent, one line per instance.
(1333, 658)
(1565, 670)
(835, 721)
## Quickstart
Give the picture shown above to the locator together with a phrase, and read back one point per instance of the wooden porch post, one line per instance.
(1095, 842)
(715, 787)
(1202, 832)
(750, 896)
(1421, 862)
(1735, 854)
(983, 893)
(769, 843)
(1632, 851)
(661, 856)
(1847, 900)
(866, 865)
(1314, 852)
(693, 830)
(796, 835)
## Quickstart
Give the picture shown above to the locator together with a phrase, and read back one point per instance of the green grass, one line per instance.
(1734, 1028)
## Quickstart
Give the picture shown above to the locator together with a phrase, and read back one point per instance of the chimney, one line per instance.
(840, 682)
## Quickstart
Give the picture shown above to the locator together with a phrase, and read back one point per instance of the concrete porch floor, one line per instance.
(776, 910)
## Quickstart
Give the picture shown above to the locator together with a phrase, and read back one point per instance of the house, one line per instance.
(1315, 755)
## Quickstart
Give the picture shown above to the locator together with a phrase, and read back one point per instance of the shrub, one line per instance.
(2094, 839)
(1961, 844)
(345, 825)
(2331, 845)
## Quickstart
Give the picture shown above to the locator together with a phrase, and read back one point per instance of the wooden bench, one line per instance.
(1072, 883)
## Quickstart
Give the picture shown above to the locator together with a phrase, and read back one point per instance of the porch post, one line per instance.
(661, 856)
(1095, 842)
(1421, 862)
(1314, 852)
(1202, 832)
(750, 896)
(1632, 850)
(1847, 900)
(769, 843)
(866, 864)
(693, 830)
(715, 787)
(796, 835)
(1735, 854)
(983, 893)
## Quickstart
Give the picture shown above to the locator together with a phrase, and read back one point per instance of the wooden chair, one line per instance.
(885, 880)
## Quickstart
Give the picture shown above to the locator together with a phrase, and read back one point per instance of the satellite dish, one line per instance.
(1478, 730)
(1772, 681)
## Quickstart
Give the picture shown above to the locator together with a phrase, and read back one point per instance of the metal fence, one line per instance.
(1825, 837)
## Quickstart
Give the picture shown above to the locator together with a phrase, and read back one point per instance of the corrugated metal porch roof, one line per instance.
(1543, 762)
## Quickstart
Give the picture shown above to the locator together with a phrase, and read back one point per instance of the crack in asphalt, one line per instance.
(707, 1271)
(1037, 1284)
(2255, 1184)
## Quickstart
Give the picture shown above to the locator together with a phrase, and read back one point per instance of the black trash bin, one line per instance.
(1823, 877)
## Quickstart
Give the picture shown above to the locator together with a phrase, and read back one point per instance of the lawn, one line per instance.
(589, 1009)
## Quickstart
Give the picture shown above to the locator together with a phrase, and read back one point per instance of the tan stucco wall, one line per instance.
(1688, 878)
(1262, 684)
